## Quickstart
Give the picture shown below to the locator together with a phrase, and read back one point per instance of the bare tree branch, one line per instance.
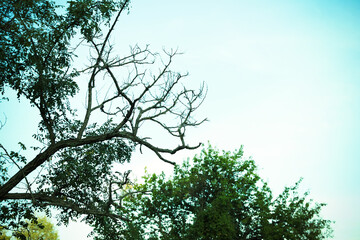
(91, 83)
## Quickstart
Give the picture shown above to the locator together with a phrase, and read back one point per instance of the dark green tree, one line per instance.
(70, 168)
(220, 196)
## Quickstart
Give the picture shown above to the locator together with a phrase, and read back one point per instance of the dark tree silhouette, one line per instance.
(77, 149)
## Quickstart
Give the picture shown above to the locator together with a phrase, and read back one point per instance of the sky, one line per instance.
(283, 80)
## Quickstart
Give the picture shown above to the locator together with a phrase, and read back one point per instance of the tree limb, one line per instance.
(46, 200)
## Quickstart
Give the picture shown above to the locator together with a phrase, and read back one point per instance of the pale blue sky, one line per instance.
(283, 80)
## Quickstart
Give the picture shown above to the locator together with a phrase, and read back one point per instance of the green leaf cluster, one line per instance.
(36, 53)
(39, 228)
(219, 195)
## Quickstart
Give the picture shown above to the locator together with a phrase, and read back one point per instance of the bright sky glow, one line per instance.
(283, 80)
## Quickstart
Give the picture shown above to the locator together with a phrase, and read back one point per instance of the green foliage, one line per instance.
(220, 196)
(39, 228)
(83, 187)
(36, 56)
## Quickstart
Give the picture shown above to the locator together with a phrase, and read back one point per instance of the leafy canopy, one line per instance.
(219, 195)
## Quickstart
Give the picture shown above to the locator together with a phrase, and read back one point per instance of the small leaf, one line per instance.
(23, 147)
(41, 226)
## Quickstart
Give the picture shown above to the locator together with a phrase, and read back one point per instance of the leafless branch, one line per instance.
(91, 83)
(2, 123)
(144, 96)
